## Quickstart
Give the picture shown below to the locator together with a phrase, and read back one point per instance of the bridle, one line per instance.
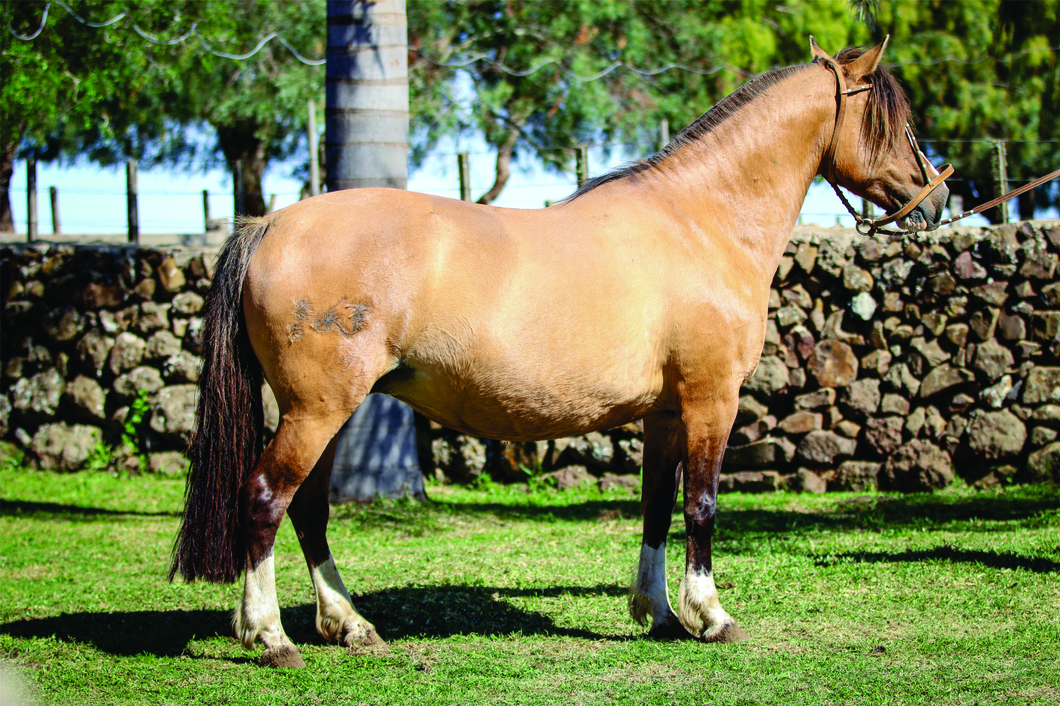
(869, 226)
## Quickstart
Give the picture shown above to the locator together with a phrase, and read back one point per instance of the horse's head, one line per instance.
(872, 151)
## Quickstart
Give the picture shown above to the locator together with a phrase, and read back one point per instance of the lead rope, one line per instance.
(1001, 199)
(871, 227)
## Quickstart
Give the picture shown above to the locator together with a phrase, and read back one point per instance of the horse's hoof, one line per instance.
(670, 631)
(283, 656)
(726, 633)
(364, 641)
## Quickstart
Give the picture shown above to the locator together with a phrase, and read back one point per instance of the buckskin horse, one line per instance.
(642, 296)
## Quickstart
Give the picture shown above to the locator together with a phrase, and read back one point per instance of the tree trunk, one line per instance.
(971, 199)
(503, 168)
(367, 114)
(7, 170)
(366, 144)
(240, 143)
(1026, 204)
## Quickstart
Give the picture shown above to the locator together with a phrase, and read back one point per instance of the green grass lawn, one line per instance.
(498, 596)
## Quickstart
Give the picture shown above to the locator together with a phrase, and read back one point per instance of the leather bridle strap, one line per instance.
(867, 226)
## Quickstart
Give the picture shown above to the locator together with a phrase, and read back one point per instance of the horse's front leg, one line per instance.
(336, 618)
(707, 428)
(263, 501)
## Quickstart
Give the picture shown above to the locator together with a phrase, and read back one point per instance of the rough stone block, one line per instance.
(833, 363)
(1042, 386)
(861, 398)
(61, 447)
(942, 378)
(825, 448)
(1044, 464)
(764, 453)
(917, 466)
(824, 397)
(769, 379)
(884, 434)
(750, 482)
(88, 399)
(855, 476)
(802, 422)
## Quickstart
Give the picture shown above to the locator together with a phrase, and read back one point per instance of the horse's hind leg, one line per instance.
(707, 428)
(648, 594)
(263, 500)
(336, 619)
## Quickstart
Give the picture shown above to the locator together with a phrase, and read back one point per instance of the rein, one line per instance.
(868, 226)
(1001, 199)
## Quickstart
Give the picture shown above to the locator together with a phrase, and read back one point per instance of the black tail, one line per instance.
(227, 440)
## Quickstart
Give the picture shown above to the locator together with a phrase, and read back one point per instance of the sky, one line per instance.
(92, 199)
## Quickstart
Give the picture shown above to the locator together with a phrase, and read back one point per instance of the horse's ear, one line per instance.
(865, 65)
(817, 52)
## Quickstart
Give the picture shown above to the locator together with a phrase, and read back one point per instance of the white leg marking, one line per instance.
(701, 610)
(257, 617)
(337, 620)
(648, 595)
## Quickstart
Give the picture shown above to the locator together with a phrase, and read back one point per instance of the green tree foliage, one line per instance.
(978, 70)
(257, 106)
(547, 111)
(109, 94)
(75, 90)
(975, 70)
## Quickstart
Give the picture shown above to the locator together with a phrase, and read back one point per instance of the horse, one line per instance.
(643, 296)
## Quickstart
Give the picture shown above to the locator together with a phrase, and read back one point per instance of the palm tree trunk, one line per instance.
(366, 144)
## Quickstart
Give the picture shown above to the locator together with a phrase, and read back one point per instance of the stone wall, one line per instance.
(890, 365)
(89, 329)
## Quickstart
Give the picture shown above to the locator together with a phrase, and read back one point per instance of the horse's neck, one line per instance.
(747, 178)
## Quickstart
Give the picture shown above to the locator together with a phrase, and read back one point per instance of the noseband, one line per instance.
(868, 226)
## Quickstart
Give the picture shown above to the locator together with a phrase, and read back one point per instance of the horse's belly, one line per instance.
(510, 402)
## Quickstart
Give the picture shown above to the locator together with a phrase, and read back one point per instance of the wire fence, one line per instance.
(171, 201)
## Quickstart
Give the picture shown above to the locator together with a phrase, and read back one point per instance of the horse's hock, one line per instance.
(892, 365)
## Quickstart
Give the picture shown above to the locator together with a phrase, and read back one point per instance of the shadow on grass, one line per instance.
(995, 560)
(856, 512)
(399, 613)
(22, 508)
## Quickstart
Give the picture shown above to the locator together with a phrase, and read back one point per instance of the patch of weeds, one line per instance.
(485, 483)
(11, 456)
(134, 431)
(101, 458)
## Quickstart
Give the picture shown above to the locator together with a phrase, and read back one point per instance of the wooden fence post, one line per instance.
(463, 166)
(132, 207)
(53, 192)
(582, 164)
(241, 195)
(205, 211)
(31, 199)
(1002, 177)
(664, 133)
(314, 156)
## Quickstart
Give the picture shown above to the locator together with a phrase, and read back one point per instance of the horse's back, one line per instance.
(486, 319)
